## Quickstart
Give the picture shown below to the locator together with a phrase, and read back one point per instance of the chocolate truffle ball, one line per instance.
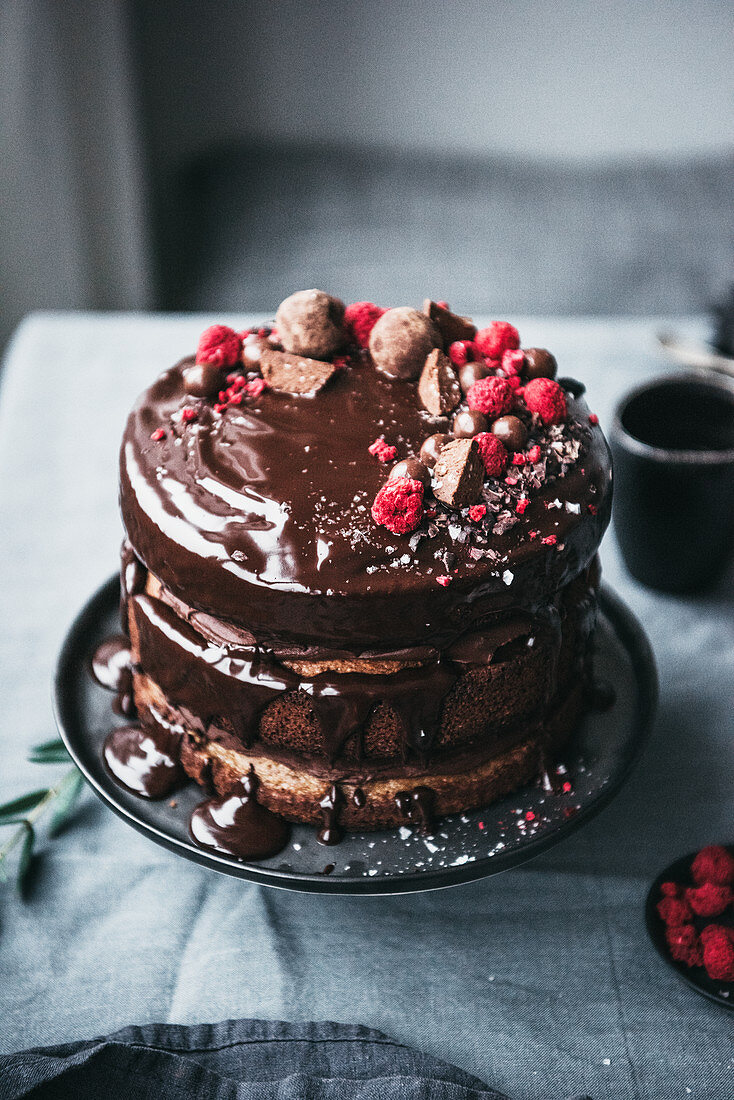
(432, 447)
(401, 341)
(511, 431)
(539, 363)
(311, 323)
(412, 468)
(469, 422)
(471, 373)
(202, 379)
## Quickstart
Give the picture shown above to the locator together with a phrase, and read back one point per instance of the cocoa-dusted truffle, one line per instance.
(459, 473)
(401, 341)
(438, 387)
(311, 323)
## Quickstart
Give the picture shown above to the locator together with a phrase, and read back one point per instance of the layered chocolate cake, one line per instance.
(360, 570)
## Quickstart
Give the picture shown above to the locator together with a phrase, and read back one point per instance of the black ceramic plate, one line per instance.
(695, 976)
(463, 847)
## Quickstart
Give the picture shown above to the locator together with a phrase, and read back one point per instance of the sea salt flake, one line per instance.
(508, 576)
(432, 848)
(405, 832)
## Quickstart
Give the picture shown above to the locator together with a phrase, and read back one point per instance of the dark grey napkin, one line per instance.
(237, 1059)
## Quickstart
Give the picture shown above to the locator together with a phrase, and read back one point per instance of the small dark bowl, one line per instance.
(672, 441)
(695, 976)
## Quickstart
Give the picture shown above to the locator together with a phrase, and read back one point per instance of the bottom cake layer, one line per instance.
(374, 798)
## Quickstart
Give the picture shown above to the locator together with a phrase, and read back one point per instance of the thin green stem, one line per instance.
(34, 814)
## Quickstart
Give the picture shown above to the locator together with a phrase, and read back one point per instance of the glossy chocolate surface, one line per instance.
(145, 760)
(261, 517)
(238, 825)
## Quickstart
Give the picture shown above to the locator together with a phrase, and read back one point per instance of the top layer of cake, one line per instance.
(253, 483)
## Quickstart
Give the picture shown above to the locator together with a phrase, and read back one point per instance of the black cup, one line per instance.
(673, 446)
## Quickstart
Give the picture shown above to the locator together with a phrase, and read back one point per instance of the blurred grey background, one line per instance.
(522, 156)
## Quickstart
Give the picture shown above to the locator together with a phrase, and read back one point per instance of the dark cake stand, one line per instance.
(462, 848)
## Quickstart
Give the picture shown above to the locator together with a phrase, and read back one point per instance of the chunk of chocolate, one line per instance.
(539, 363)
(412, 468)
(458, 473)
(311, 322)
(511, 431)
(290, 373)
(451, 326)
(432, 447)
(438, 387)
(401, 341)
(202, 379)
(252, 348)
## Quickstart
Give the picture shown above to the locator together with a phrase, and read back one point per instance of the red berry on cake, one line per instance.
(360, 318)
(713, 864)
(674, 911)
(220, 345)
(546, 398)
(494, 340)
(709, 900)
(461, 352)
(493, 452)
(492, 396)
(399, 505)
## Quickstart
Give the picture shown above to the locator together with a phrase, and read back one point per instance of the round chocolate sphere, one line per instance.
(401, 341)
(202, 379)
(469, 422)
(511, 431)
(252, 348)
(539, 363)
(311, 323)
(432, 447)
(412, 468)
(471, 373)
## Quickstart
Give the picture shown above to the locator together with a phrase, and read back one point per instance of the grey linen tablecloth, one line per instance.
(541, 981)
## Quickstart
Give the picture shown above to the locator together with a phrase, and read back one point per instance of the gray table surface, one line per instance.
(540, 981)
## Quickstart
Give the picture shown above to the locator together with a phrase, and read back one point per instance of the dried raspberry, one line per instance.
(708, 899)
(157, 435)
(515, 382)
(491, 396)
(220, 345)
(671, 890)
(443, 305)
(522, 505)
(546, 398)
(399, 505)
(593, 418)
(499, 337)
(511, 481)
(477, 512)
(360, 318)
(533, 534)
(592, 509)
(382, 450)
(188, 414)
(341, 362)
(716, 931)
(461, 352)
(493, 452)
(518, 459)
(534, 454)
(718, 956)
(713, 864)
(512, 362)
(255, 387)
(549, 540)
(684, 944)
(443, 579)
(674, 911)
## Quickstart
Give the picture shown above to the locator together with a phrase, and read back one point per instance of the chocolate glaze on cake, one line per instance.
(364, 677)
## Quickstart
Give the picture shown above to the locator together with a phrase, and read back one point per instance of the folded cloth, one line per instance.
(236, 1060)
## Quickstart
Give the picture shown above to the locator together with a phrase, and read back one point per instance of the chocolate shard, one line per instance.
(459, 473)
(451, 326)
(290, 373)
(438, 387)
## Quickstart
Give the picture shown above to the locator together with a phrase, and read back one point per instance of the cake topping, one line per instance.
(202, 379)
(492, 396)
(450, 325)
(493, 453)
(360, 318)
(492, 342)
(461, 352)
(431, 448)
(401, 341)
(512, 432)
(708, 899)
(311, 323)
(399, 505)
(512, 362)
(546, 398)
(220, 345)
(414, 469)
(471, 373)
(458, 473)
(292, 373)
(539, 363)
(386, 452)
(713, 864)
(468, 422)
(438, 387)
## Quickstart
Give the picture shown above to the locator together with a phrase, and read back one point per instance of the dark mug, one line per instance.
(673, 446)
